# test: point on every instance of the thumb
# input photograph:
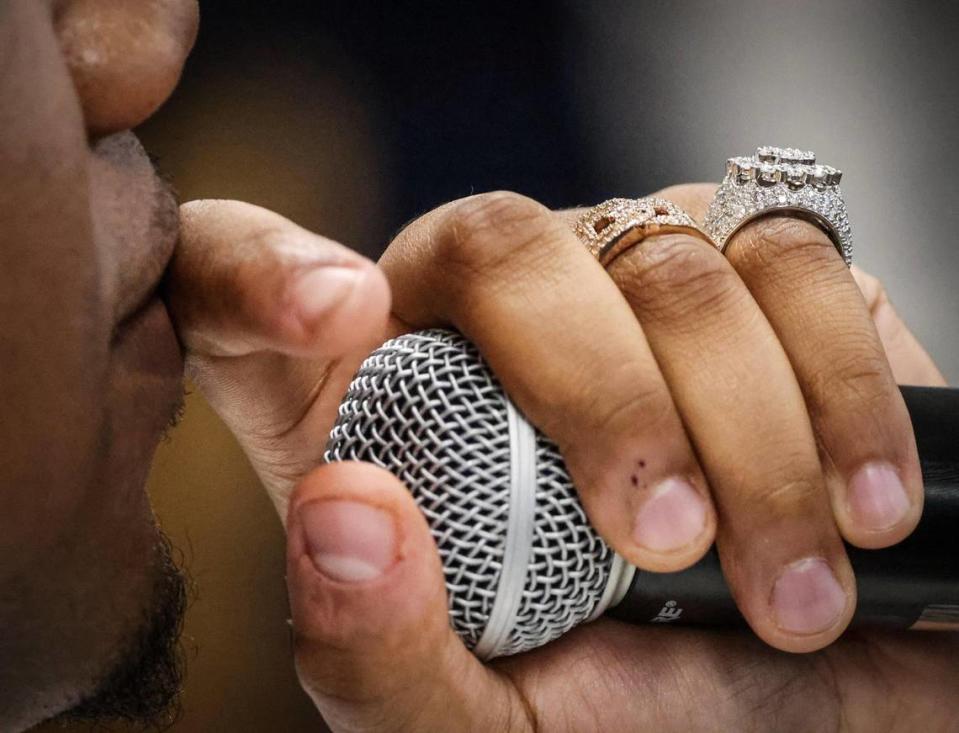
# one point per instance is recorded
(275, 320)
(245, 280)
(374, 648)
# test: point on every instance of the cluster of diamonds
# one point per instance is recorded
(603, 226)
(779, 179)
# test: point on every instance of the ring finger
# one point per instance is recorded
(744, 412)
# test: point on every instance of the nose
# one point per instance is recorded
(125, 57)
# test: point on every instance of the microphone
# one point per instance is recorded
(522, 564)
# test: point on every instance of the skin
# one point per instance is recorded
(275, 319)
(91, 368)
(373, 645)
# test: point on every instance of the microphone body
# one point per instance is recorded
(911, 585)
(523, 566)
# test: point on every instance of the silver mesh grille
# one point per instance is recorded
(570, 563)
(427, 408)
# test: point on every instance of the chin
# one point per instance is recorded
(143, 679)
(99, 617)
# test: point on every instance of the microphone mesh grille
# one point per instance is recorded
(427, 408)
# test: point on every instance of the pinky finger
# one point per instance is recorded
(910, 362)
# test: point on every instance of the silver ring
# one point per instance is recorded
(779, 180)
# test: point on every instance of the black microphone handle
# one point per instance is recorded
(914, 584)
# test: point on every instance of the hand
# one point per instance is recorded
(377, 654)
(506, 273)
(275, 320)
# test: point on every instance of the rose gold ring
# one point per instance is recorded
(612, 227)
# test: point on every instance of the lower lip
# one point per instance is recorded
(147, 345)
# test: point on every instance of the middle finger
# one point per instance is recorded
(744, 412)
(515, 280)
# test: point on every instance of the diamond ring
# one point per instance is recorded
(779, 180)
(610, 228)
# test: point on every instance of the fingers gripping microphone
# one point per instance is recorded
(522, 564)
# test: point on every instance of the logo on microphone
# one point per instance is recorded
(669, 612)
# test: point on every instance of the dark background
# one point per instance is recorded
(445, 99)
(353, 118)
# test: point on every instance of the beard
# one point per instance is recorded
(144, 684)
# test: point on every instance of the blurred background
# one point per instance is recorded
(352, 118)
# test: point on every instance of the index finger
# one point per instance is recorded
(514, 279)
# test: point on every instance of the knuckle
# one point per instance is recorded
(321, 674)
(483, 232)
(880, 298)
(782, 241)
(331, 621)
(677, 275)
(643, 407)
(790, 498)
(857, 376)
(617, 416)
(873, 291)
(693, 197)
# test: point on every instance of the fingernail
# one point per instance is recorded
(319, 291)
(807, 598)
(671, 517)
(877, 499)
(349, 541)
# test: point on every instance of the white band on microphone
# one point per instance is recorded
(519, 536)
(620, 577)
